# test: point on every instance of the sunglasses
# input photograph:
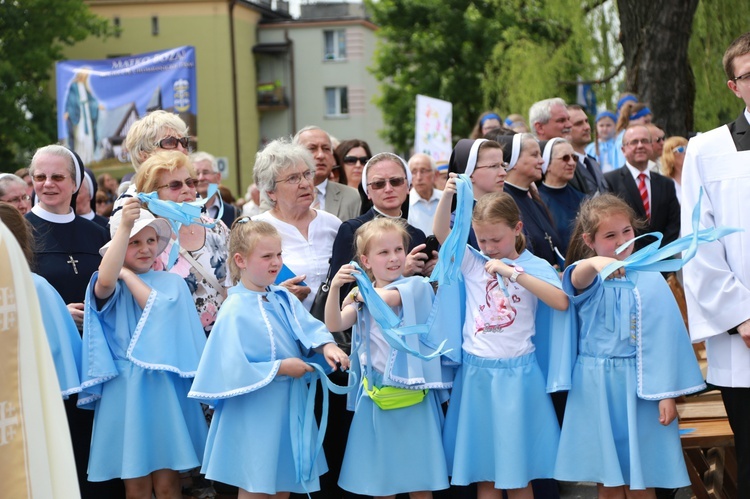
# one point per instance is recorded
(171, 142)
(659, 140)
(394, 181)
(55, 177)
(176, 185)
(567, 157)
(352, 160)
(680, 149)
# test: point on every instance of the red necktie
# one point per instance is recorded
(644, 194)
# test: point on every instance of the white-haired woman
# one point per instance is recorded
(284, 174)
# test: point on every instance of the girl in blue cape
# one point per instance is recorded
(394, 443)
(634, 358)
(254, 375)
(501, 431)
(142, 341)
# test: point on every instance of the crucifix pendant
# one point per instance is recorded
(73, 263)
(549, 240)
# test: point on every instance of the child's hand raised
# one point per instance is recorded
(131, 211)
(450, 185)
(335, 357)
(294, 367)
(600, 262)
(345, 275)
(493, 267)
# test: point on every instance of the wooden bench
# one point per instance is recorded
(708, 446)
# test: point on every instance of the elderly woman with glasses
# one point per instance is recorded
(284, 172)
(672, 158)
(202, 259)
(66, 255)
(13, 192)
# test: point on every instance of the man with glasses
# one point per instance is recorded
(207, 172)
(651, 195)
(423, 197)
(717, 280)
(13, 191)
(337, 199)
(657, 144)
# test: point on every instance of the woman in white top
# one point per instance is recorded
(284, 174)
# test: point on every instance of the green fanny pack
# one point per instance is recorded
(391, 397)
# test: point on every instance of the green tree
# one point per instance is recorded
(32, 36)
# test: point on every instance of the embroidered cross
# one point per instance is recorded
(7, 309)
(8, 422)
(73, 263)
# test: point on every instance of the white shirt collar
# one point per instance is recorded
(321, 187)
(88, 216)
(415, 198)
(53, 217)
(635, 171)
(747, 114)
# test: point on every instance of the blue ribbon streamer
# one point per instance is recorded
(388, 321)
(651, 258)
(179, 214)
(304, 451)
(451, 253)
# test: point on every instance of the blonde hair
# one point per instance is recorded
(667, 153)
(364, 236)
(147, 178)
(142, 135)
(590, 216)
(243, 238)
(499, 207)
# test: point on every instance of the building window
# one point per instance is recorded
(118, 28)
(154, 25)
(337, 101)
(335, 44)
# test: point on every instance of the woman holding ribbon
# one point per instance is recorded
(199, 253)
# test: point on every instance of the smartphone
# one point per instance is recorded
(432, 244)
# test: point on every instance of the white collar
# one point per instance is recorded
(415, 198)
(384, 215)
(88, 216)
(321, 187)
(53, 217)
(635, 171)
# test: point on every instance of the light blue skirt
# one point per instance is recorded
(611, 436)
(501, 426)
(394, 451)
(250, 445)
(144, 422)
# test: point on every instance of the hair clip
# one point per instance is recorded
(243, 220)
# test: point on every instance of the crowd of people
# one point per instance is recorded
(475, 327)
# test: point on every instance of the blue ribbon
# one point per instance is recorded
(304, 451)
(490, 116)
(654, 259)
(451, 253)
(179, 214)
(388, 321)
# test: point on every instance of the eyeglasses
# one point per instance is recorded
(352, 160)
(296, 178)
(176, 185)
(568, 157)
(171, 142)
(496, 166)
(422, 171)
(661, 139)
(635, 142)
(17, 199)
(394, 181)
(743, 78)
(55, 177)
(679, 149)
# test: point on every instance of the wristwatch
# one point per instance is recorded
(517, 271)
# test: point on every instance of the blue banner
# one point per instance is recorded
(98, 100)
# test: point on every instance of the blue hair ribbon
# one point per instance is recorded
(491, 116)
(640, 114)
(606, 114)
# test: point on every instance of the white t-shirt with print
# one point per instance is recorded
(496, 327)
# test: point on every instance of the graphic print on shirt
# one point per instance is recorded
(497, 313)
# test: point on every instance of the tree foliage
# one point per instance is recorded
(32, 36)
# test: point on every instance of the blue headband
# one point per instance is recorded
(509, 122)
(623, 100)
(606, 114)
(640, 114)
(491, 116)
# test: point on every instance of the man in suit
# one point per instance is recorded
(337, 199)
(589, 178)
(717, 280)
(207, 171)
(650, 194)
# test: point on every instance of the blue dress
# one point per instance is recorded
(253, 441)
(501, 425)
(398, 450)
(137, 366)
(633, 350)
(62, 335)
